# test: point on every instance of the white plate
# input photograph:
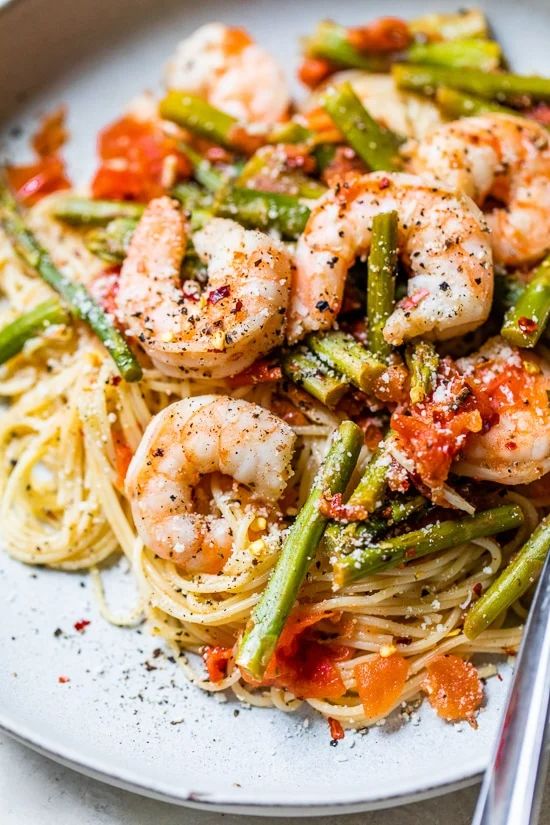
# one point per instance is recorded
(148, 730)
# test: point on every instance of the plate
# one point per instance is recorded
(126, 715)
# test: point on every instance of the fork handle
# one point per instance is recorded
(511, 793)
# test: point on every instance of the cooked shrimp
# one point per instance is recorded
(442, 239)
(241, 315)
(225, 66)
(188, 439)
(515, 450)
(504, 158)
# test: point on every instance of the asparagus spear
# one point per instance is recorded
(457, 104)
(345, 355)
(110, 243)
(197, 115)
(501, 86)
(303, 369)
(451, 26)
(75, 295)
(267, 162)
(14, 335)
(381, 281)
(457, 54)
(265, 210)
(423, 361)
(342, 539)
(330, 41)
(526, 321)
(82, 211)
(512, 583)
(365, 560)
(375, 144)
(204, 172)
(267, 621)
(289, 132)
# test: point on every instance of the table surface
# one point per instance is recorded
(37, 791)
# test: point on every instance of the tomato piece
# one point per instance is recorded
(260, 372)
(303, 665)
(133, 155)
(380, 682)
(433, 432)
(387, 34)
(35, 180)
(123, 456)
(313, 70)
(216, 659)
(454, 688)
(52, 133)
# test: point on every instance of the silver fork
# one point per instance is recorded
(511, 793)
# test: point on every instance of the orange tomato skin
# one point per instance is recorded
(216, 658)
(454, 688)
(36, 180)
(132, 156)
(380, 682)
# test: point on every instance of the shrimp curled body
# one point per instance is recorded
(241, 315)
(223, 65)
(191, 438)
(442, 241)
(505, 158)
(516, 449)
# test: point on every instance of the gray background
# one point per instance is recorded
(37, 791)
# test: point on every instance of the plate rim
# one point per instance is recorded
(219, 801)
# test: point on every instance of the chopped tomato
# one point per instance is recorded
(387, 34)
(288, 411)
(134, 154)
(52, 133)
(336, 729)
(391, 386)
(333, 507)
(260, 372)
(433, 431)
(313, 70)
(216, 659)
(380, 682)
(303, 665)
(236, 40)
(35, 180)
(343, 165)
(454, 688)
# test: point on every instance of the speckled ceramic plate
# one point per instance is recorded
(127, 715)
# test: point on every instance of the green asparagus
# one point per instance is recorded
(512, 583)
(330, 41)
(450, 26)
(75, 295)
(110, 243)
(345, 355)
(306, 371)
(265, 210)
(267, 621)
(365, 560)
(14, 336)
(197, 115)
(82, 211)
(457, 54)
(500, 86)
(376, 145)
(423, 361)
(526, 321)
(455, 104)
(382, 265)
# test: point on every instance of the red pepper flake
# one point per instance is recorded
(336, 730)
(333, 507)
(384, 183)
(191, 291)
(477, 589)
(63, 680)
(527, 325)
(238, 306)
(413, 300)
(217, 154)
(115, 380)
(218, 294)
(81, 625)
(511, 445)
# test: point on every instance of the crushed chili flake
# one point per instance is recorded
(477, 589)
(334, 507)
(384, 183)
(219, 294)
(63, 680)
(336, 730)
(527, 325)
(81, 625)
(413, 300)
